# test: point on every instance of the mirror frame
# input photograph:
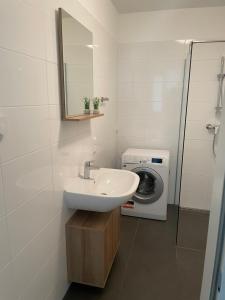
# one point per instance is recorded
(61, 66)
(62, 78)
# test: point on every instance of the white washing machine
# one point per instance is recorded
(150, 199)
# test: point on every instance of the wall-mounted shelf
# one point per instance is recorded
(83, 117)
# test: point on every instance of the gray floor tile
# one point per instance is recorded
(78, 291)
(190, 269)
(193, 229)
(151, 274)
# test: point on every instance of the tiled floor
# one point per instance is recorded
(193, 229)
(149, 265)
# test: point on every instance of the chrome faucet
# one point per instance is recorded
(88, 166)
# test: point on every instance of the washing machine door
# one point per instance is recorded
(150, 187)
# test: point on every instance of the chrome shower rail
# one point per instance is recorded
(220, 77)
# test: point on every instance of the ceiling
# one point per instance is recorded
(129, 6)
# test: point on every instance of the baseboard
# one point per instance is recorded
(195, 210)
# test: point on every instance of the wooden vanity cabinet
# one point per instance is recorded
(92, 240)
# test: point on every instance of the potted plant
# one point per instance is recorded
(86, 101)
(96, 102)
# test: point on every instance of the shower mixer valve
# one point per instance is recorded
(221, 76)
(214, 128)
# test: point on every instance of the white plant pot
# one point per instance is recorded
(96, 111)
(87, 111)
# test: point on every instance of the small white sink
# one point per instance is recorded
(109, 189)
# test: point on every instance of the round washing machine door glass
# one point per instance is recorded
(150, 187)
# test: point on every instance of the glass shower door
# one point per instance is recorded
(200, 121)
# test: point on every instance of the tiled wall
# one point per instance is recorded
(198, 160)
(38, 151)
(150, 80)
(150, 69)
(173, 24)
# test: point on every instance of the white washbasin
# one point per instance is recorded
(109, 189)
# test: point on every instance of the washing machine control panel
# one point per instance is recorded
(152, 160)
(156, 160)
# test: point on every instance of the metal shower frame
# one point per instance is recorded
(185, 95)
(182, 131)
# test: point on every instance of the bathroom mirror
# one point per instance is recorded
(76, 66)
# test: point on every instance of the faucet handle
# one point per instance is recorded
(88, 163)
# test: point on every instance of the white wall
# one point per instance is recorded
(150, 80)
(38, 151)
(193, 23)
(105, 12)
(150, 74)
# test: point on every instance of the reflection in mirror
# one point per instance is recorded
(76, 61)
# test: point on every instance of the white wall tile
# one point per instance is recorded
(38, 150)
(125, 91)
(197, 130)
(26, 176)
(206, 94)
(26, 75)
(146, 50)
(52, 273)
(28, 220)
(58, 279)
(158, 91)
(128, 141)
(196, 193)
(32, 260)
(152, 91)
(203, 111)
(7, 284)
(53, 83)
(71, 144)
(2, 204)
(60, 130)
(105, 12)
(22, 28)
(5, 250)
(167, 25)
(51, 35)
(19, 139)
(205, 51)
(161, 110)
(197, 153)
(38, 286)
(158, 70)
(41, 5)
(205, 70)
(126, 72)
(68, 159)
(150, 78)
(128, 125)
